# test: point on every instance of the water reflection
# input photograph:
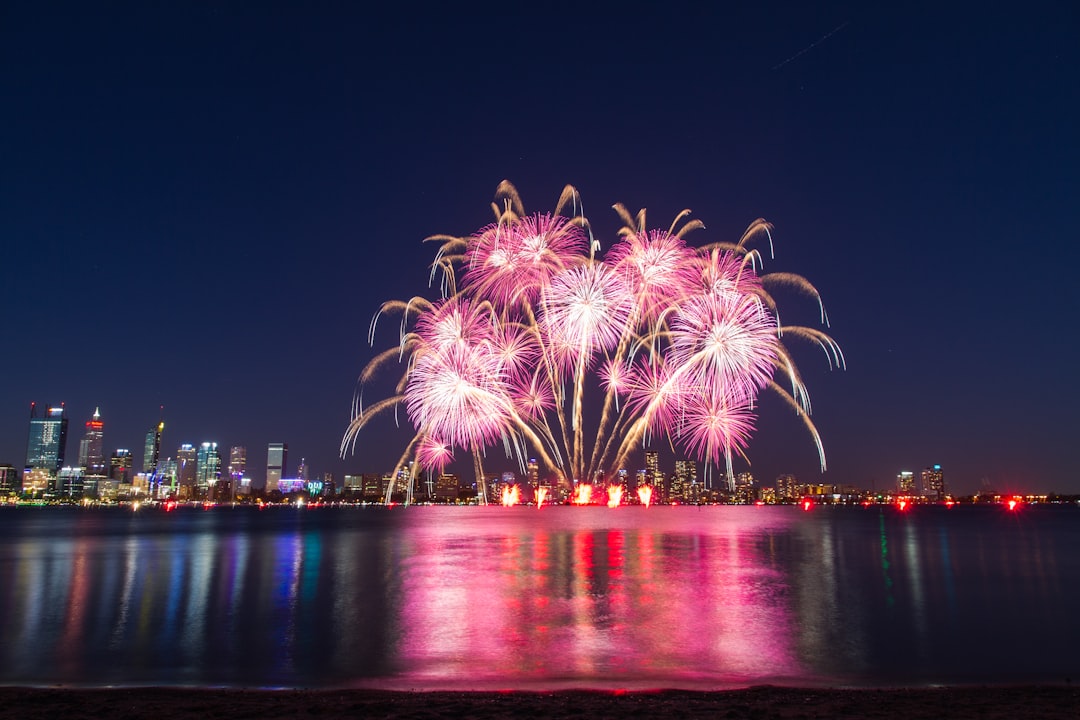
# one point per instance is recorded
(515, 598)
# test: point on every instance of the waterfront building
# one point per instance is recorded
(152, 449)
(207, 468)
(654, 477)
(91, 447)
(447, 488)
(905, 483)
(121, 466)
(10, 480)
(933, 482)
(47, 441)
(69, 482)
(684, 483)
(787, 488)
(745, 492)
(166, 476)
(186, 461)
(237, 462)
(373, 487)
(277, 454)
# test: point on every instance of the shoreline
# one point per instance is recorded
(986, 702)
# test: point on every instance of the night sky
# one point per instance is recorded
(202, 205)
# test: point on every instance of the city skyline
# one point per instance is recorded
(243, 188)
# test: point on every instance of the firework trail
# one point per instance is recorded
(679, 341)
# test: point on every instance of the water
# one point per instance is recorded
(516, 598)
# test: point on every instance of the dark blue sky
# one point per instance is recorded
(203, 204)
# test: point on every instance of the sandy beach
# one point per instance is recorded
(985, 703)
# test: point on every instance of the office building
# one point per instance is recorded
(933, 482)
(121, 466)
(48, 439)
(207, 468)
(91, 447)
(905, 483)
(277, 455)
(186, 461)
(152, 449)
(237, 463)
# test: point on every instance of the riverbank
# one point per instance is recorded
(960, 703)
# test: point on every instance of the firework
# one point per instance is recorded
(669, 341)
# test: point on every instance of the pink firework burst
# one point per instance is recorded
(509, 260)
(657, 268)
(724, 343)
(585, 311)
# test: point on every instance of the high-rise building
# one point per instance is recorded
(302, 470)
(186, 462)
(10, 480)
(786, 488)
(121, 465)
(933, 482)
(653, 476)
(237, 463)
(684, 482)
(207, 467)
(745, 492)
(152, 448)
(91, 447)
(277, 455)
(905, 482)
(48, 439)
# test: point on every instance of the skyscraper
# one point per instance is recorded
(152, 449)
(276, 456)
(653, 476)
(91, 447)
(905, 482)
(48, 439)
(933, 482)
(207, 467)
(237, 463)
(185, 467)
(120, 466)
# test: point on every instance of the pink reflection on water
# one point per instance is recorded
(570, 598)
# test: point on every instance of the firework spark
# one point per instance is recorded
(679, 343)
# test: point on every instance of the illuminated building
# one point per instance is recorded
(786, 488)
(166, 477)
(48, 438)
(69, 483)
(745, 492)
(933, 482)
(237, 462)
(152, 449)
(10, 480)
(684, 485)
(277, 454)
(121, 466)
(905, 483)
(302, 470)
(447, 488)
(91, 447)
(185, 471)
(207, 468)
(653, 476)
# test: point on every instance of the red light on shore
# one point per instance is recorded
(807, 504)
(1013, 503)
(949, 503)
(902, 504)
